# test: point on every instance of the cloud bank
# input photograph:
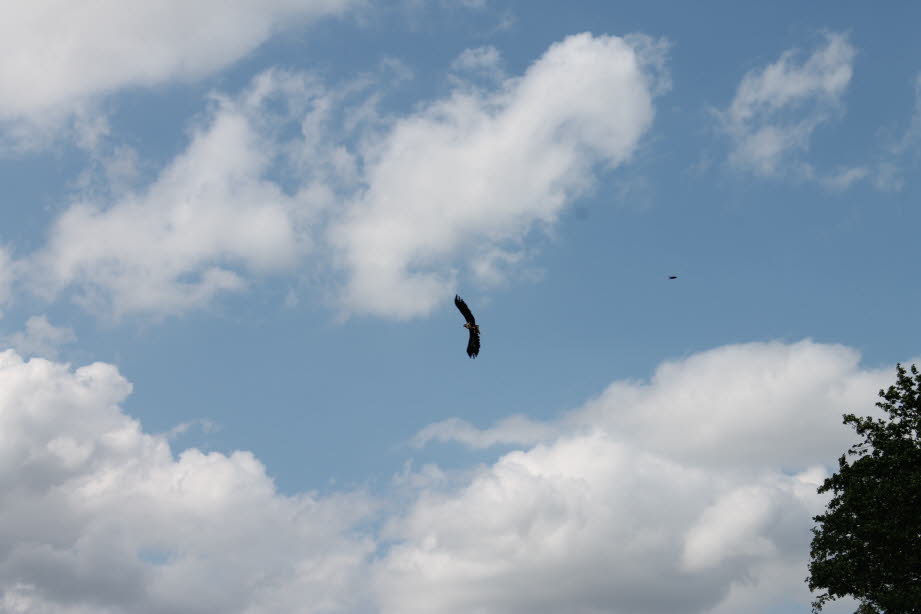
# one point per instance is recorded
(692, 492)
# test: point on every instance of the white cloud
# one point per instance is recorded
(97, 516)
(399, 206)
(517, 430)
(206, 426)
(777, 108)
(746, 405)
(480, 58)
(41, 338)
(210, 218)
(610, 512)
(589, 524)
(82, 123)
(57, 53)
(692, 492)
(734, 404)
(479, 170)
(479, 61)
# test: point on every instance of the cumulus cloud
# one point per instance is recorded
(211, 217)
(97, 516)
(398, 206)
(57, 53)
(609, 511)
(590, 524)
(691, 492)
(777, 108)
(480, 169)
(747, 405)
(41, 337)
(734, 404)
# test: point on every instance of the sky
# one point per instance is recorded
(231, 375)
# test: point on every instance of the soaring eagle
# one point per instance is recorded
(473, 344)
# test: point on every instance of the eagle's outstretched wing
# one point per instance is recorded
(465, 311)
(473, 344)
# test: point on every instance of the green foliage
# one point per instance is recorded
(868, 543)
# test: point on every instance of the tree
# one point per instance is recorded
(867, 544)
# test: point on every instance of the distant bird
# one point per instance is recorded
(673, 277)
(473, 344)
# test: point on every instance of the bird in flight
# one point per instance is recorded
(673, 277)
(473, 344)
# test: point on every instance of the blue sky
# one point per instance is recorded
(229, 243)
